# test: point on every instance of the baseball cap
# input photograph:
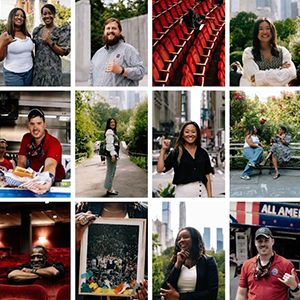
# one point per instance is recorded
(264, 231)
(35, 112)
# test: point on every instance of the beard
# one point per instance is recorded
(109, 42)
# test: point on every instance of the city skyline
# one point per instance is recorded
(198, 215)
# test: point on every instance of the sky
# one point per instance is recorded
(7, 5)
(199, 214)
(263, 94)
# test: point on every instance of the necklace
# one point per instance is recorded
(114, 211)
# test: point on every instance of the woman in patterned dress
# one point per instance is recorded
(51, 42)
(266, 63)
(279, 151)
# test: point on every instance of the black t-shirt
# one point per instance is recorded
(190, 169)
(59, 266)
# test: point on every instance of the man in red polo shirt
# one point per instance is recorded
(39, 150)
(5, 164)
(267, 275)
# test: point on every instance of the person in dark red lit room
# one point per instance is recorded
(40, 149)
(38, 267)
(267, 275)
(5, 164)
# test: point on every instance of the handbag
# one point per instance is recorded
(104, 152)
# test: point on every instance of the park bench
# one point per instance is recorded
(236, 151)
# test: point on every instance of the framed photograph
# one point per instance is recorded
(112, 257)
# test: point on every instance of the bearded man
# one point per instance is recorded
(117, 63)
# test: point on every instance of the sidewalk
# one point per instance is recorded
(130, 180)
(287, 185)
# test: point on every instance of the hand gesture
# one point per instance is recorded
(170, 294)
(46, 37)
(82, 221)
(252, 78)
(289, 279)
(113, 158)
(142, 292)
(6, 39)
(113, 67)
(165, 144)
(181, 257)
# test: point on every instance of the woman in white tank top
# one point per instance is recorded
(16, 50)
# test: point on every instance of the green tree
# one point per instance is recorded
(63, 15)
(241, 28)
(138, 128)
(85, 128)
(285, 28)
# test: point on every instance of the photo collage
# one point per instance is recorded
(108, 106)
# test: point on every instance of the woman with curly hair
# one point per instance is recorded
(191, 163)
(266, 63)
(191, 274)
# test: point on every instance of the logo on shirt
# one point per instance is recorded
(118, 56)
(274, 271)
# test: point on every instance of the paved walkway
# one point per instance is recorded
(130, 180)
(286, 186)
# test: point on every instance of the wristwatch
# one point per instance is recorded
(123, 70)
(52, 45)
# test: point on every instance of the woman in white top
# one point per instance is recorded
(252, 151)
(112, 143)
(266, 63)
(16, 49)
(191, 274)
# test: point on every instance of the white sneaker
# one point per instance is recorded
(245, 177)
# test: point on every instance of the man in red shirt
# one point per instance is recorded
(268, 275)
(5, 164)
(40, 150)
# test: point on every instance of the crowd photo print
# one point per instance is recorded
(111, 250)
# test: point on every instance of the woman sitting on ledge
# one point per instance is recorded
(279, 151)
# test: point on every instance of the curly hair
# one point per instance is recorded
(197, 250)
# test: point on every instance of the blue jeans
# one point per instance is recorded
(110, 172)
(253, 155)
(17, 79)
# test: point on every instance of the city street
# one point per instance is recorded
(287, 185)
(130, 180)
(218, 182)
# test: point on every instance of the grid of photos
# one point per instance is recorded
(92, 139)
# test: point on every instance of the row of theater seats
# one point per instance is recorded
(174, 42)
(31, 292)
(57, 290)
(221, 65)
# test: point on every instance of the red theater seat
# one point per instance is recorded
(22, 292)
(52, 287)
(64, 293)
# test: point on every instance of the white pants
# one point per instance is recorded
(192, 190)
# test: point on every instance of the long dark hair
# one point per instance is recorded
(180, 140)
(108, 125)
(256, 42)
(50, 7)
(197, 250)
(10, 26)
(250, 130)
